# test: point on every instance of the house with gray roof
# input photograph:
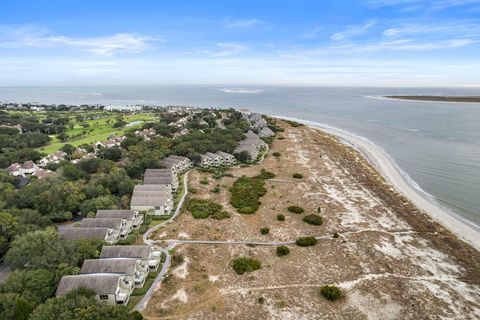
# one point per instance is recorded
(147, 254)
(112, 289)
(118, 224)
(133, 218)
(227, 158)
(216, 159)
(266, 132)
(152, 198)
(105, 234)
(177, 164)
(133, 269)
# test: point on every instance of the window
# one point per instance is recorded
(104, 297)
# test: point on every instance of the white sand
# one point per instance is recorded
(389, 170)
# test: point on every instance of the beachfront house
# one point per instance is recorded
(266, 132)
(108, 235)
(217, 160)
(147, 254)
(251, 144)
(134, 218)
(177, 164)
(119, 225)
(133, 269)
(227, 158)
(111, 289)
(205, 161)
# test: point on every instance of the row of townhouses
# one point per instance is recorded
(216, 159)
(258, 124)
(116, 274)
(155, 195)
(252, 144)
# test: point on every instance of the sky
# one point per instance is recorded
(267, 42)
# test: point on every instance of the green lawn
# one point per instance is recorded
(100, 128)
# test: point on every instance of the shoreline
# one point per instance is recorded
(395, 98)
(386, 167)
(457, 99)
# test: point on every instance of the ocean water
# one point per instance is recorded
(436, 144)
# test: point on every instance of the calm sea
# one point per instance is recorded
(436, 144)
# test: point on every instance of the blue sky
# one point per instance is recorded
(350, 43)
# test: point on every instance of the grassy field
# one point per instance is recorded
(99, 130)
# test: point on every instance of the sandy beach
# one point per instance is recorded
(390, 171)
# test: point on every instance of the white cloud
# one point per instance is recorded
(352, 31)
(241, 23)
(108, 45)
(226, 49)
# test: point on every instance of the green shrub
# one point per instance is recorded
(202, 209)
(306, 241)
(336, 235)
(281, 138)
(313, 219)
(264, 174)
(192, 190)
(282, 251)
(261, 300)
(297, 175)
(294, 123)
(243, 264)
(265, 230)
(280, 217)
(331, 293)
(220, 215)
(130, 239)
(204, 181)
(276, 154)
(295, 209)
(245, 194)
(216, 190)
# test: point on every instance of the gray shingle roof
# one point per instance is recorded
(124, 266)
(157, 172)
(100, 283)
(138, 251)
(84, 233)
(113, 223)
(123, 214)
(158, 180)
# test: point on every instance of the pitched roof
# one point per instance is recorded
(148, 180)
(100, 283)
(28, 165)
(223, 154)
(138, 251)
(123, 214)
(124, 266)
(113, 223)
(84, 233)
(157, 172)
(212, 155)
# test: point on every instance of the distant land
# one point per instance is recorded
(474, 99)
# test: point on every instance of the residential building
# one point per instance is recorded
(118, 224)
(177, 164)
(133, 218)
(29, 167)
(168, 177)
(147, 254)
(227, 158)
(133, 269)
(42, 174)
(112, 289)
(105, 234)
(217, 160)
(205, 161)
(266, 132)
(15, 169)
(151, 198)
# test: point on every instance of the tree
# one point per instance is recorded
(37, 249)
(33, 285)
(243, 156)
(72, 172)
(68, 148)
(113, 153)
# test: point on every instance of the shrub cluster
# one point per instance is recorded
(306, 241)
(331, 293)
(313, 219)
(243, 264)
(276, 154)
(264, 174)
(202, 209)
(280, 217)
(295, 209)
(245, 194)
(204, 181)
(297, 175)
(265, 230)
(282, 251)
(336, 235)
